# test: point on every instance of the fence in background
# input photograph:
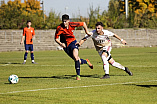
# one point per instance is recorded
(44, 39)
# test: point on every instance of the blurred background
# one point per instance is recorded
(133, 20)
(46, 14)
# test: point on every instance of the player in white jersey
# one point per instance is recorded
(102, 44)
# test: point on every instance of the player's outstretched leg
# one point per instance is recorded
(89, 64)
(82, 61)
(128, 71)
(118, 65)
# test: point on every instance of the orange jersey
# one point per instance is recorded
(28, 33)
(67, 33)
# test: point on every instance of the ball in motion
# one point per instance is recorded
(13, 79)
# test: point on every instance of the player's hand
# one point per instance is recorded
(78, 44)
(21, 42)
(124, 42)
(63, 45)
(89, 33)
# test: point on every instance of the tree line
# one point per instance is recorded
(14, 14)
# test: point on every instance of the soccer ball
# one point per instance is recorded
(13, 79)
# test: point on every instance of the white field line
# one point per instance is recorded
(73, 65)
(76, 87)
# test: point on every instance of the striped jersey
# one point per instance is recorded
(101, 41)
(66, 35)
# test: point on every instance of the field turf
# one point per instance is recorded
(53, 80)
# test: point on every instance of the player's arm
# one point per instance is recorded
(33, 34)
(88, 34)
(57, 34)
(22, 39)
(86, 29)
(123, 41)
(60, 43)
(83, 39)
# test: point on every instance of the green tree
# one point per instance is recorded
(92, 17)
(95, 16)
(14, 14)
(53, 20)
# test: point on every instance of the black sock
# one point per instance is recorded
(25, 56)
(32, 56)
(83, 61)
(77, 67)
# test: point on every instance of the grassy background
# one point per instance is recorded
(52, 80)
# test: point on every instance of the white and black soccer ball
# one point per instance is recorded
(13, 79)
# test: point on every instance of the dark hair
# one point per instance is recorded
(65, 17)
(99, 23)
(28, 21)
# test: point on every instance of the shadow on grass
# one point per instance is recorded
(9, 63)
(7, 83)
(118, 75)
(70, 76)
(66, 76)
(146, 86)
(151, 52)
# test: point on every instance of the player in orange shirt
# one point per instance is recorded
(28, 34)
(68, 41)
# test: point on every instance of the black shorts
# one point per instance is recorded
(70, 48)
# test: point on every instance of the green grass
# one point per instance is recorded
(52, 80)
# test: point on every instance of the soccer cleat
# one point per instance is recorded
(89, 64)
(105, 76)
(128, 71)
(34, 63)
(24, 63)
(78, 77)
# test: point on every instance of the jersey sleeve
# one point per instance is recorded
(76, 24)
(59, 31)
(109, 33)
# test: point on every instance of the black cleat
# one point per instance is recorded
(34, 63)
(105, 76)
(128, 71)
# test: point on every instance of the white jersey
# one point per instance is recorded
(101, 41)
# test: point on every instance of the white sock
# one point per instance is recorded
(105, 64)
(117, 65)
(24, 60)
(32, 60)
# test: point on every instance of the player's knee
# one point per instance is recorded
(111, 61)
(104, 54)
(31, 51)
(76, 58)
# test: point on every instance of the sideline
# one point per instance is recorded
(75, 87)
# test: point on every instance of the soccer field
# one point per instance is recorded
(53, 80)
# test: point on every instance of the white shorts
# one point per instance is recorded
(106, 48)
